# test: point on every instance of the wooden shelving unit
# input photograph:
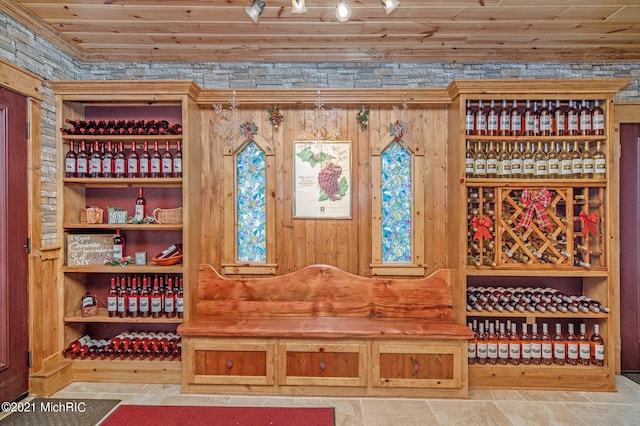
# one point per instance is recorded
(598, 281)
(173, 101)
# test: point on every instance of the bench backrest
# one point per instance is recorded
(323, 290)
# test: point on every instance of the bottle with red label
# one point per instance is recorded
(167, 162)
(71, 162)
(112, 300)
(177, 162)
(140, 211)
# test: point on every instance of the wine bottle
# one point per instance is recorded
(169, 300)
(584, 123)
(573, 350)
(572, 120)
(75, 346)
(584, 346)
(492, 346)
(576, 161)
(167, 162)
(546, 345)
(112, 300)
(144, 299)
(528, 162)
(541, 162)
(145, 161)
(180, 300)
(516, 120)
(536, 345)
(515, 350)
(471, 347)
(118, 245)
(95, 162)
(123, 301)
(120, 161)
(566, 164)
(156, 161)
(504, 120)
(82, 168)
(588, 166)
(529, 120)
(108, 162)
(468, 161)
(481, 345)
(71, 162)
(516, 160)
(133, 163)
(480, 162)
(469, 119)
(140, 212)
(156, 300)
(597, 119)
(481, 120)
(545, 120)
(493, 121)
(597, 347)
(492, 161)
(559, 120)
(525, 345)
(559, 346)
(553, 162)
(599, 162)
(177, 161)
(503, 346)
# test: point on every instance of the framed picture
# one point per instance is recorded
(322, 180)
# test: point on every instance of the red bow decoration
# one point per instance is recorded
(535, 204)
(481, 225)
(588, 223)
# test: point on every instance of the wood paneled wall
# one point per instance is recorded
(345, 243)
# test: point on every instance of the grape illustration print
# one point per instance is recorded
(322, 180)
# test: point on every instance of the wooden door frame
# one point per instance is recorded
(622, 113)
(30, 85)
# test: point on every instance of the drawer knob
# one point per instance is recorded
(229, 364)
(323, 365)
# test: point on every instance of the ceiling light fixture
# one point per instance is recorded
(389, 5)
(343, 11)
(255, 10)
(298, 6)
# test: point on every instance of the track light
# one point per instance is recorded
(343, 11)
(298, 6)
(389, 5)
(255, 10)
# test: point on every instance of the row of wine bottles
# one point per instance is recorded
(502, 344)
(144, 296)
(127, 345)
(111, 160)
(534, 119)
(121, 127)
(529, 299)
(531, 160)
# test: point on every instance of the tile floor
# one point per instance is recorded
(483, 408)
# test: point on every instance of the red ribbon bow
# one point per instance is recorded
(481, 225)
(535, 204)
(588, 223)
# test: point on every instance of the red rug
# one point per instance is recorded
(154, 415)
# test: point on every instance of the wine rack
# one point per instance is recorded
(104, 116)
(546, 225)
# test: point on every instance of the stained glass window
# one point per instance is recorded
(396, 204)
(251, 218)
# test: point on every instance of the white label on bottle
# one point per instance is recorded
(547, 350)
(481, 122)
(468, 166)
(132, 165)
(505, 123)
(516, 167)
(572, 122)
(514, 350)
(572, 350)
(598, 122)
(138, 212)
(82, 165)
(492, 350)
(156, 304)
(94, 165)
(471, 350)
(480, 167)
(554, 166)
(168, 304)
(155, 165)
(70, 165)
(516, 122)
(469, 123)
(106, 166)
(144, 165)
(492, 122)
(144, 304)
(167, 164)
(545, 123)
(576, 166)
(87, 301)
(541, 168)
(599, 352)
(120, 165)
(84, 340)
(504, 167)
(529, 166)
(177, 165)
(481, 350)
(585, 122)
(121, 307)
(536, 350)
(600, 165)
(585, 350)
(566, 167)
(526, 350)
(492, 166)
(559, 350)
(530, 123)
(112, 303)
(180, 305)
(118, 251)
(587, 165)
(503, 350)
(133, 304)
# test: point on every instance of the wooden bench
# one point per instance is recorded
(323, 331)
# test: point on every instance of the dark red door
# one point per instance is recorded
(14, 269)
(630, 246)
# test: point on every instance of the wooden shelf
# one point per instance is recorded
(124, 182)
(129, 269)
(124, 226)
(104, 317)
(127, 371)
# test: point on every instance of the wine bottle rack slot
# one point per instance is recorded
(127, 345)
(541, 226)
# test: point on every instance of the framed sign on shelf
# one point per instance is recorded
(322, 180)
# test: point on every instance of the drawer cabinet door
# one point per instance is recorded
(322, 364)
(437, 365)
(213, 361)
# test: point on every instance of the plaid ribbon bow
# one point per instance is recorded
(535, 204)
(481, 225)
(588, 223)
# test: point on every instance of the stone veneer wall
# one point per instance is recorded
(29, 51)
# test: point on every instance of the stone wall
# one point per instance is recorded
(29, 51)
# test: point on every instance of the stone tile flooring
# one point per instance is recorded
(485, 407)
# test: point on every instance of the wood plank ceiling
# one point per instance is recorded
(417, 31)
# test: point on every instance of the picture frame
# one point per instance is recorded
(322, 180)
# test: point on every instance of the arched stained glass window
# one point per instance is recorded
(251, 207)
(397, 202)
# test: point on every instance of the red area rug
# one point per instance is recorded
(154, 415)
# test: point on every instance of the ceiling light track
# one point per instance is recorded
(343, 9)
